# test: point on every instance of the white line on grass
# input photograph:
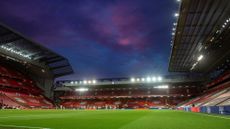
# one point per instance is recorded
(16, 126)
(213, 116)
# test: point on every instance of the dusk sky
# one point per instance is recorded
(100, 38)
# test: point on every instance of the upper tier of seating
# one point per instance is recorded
(14, 79)
(131, 92)
(223, 77)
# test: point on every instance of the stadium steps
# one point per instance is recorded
(225, 103)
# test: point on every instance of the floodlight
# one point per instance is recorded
(148, 79)
(132, 79)
(82, 89)
(176, 14)
(159, 78)
(138, 79)
(94, 81)
(89, 81)
(154, 79)
(162, 87)
(84, 82)
(200, 57)
(142, 79)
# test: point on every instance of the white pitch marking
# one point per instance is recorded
(214, 116)
(31, 127)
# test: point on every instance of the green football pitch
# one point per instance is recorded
(110, 119)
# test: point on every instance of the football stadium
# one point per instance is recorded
(113, 64)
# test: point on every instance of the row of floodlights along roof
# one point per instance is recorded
(15, 52)
(84, 82)
(227, 21)
(175, 24)
(147, 79)
(86, 89)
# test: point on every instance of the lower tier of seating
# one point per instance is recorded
(6, 102)
(218, 96)
(23, 100)
(122, 103)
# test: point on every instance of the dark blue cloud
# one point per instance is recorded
(101, 38)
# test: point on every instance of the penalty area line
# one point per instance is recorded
(18, 126)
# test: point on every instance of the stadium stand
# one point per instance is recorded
(200, 44)
(121, 103)
(20, 90)
(129, 96)
(27, 71)
(200, 56)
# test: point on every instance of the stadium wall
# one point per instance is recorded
(223, 110)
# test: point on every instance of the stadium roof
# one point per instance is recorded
(201, 36)
(21, 47)
(133, 81)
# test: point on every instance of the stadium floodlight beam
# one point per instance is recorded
(82, 89)
(132, 79)
(200, 58)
